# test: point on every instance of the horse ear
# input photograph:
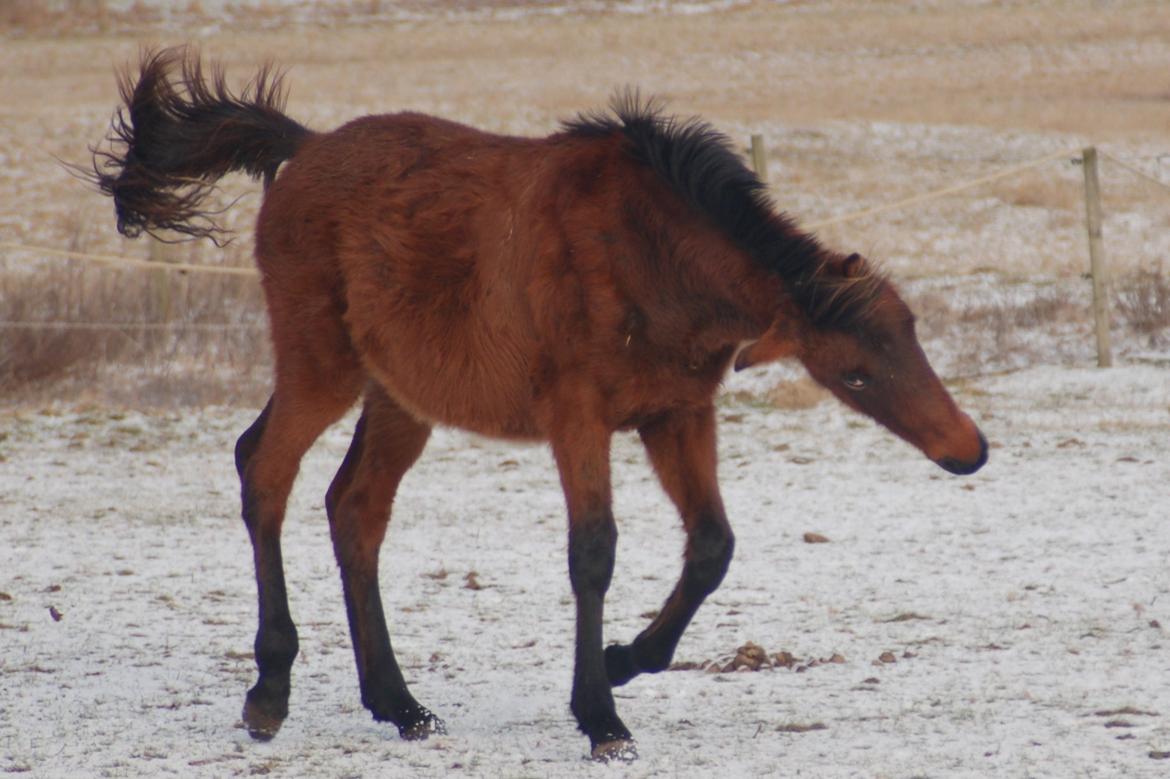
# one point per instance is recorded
(778, 341)
(854, 266)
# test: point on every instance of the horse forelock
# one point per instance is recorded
(701, 165)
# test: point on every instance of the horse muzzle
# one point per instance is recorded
(961, 468)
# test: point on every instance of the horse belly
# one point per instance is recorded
(470, 377)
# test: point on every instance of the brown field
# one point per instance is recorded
(861, 103)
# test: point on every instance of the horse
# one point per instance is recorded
(604, 278)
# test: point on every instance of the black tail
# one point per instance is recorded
(183, 134)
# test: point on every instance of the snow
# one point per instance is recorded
(1022, 605)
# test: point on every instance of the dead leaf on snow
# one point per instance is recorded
(750, 656)
(785, 659)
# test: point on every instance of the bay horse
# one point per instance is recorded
(553, 289)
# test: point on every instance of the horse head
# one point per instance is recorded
(858, 341)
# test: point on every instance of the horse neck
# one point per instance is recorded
(742, 296)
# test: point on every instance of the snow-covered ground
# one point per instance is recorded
(1025, 608)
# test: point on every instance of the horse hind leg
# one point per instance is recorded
(386, 443)
(306, 401)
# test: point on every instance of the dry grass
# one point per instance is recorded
(1034, 190)
(1142, 302)
(43, 16)
(70, 329)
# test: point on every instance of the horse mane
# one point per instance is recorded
(700, 164)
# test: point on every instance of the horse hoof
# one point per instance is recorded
(622, 750)
(261, 725)
(428, 725)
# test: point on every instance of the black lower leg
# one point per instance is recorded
(358, 504)
(709, 551)
(276, 637)
(591, 560)
(266, 705)
(383, 688)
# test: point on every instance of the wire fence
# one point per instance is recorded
(131, 263)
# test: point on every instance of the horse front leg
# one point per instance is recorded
(386, 443)
(581, 448)
(681, 446)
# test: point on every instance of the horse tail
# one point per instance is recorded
(178, 134)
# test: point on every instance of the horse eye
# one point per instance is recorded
(855, 381)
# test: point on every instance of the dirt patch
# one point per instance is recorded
(753, 657)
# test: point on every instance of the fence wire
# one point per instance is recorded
(183, 267)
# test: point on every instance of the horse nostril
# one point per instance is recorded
(960, 468)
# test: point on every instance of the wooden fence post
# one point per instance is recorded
(759, 157)
(1097, 257)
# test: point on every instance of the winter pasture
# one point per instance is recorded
(881, 617)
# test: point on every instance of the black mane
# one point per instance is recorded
(701, 165)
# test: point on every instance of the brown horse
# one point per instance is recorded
(603, 278)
